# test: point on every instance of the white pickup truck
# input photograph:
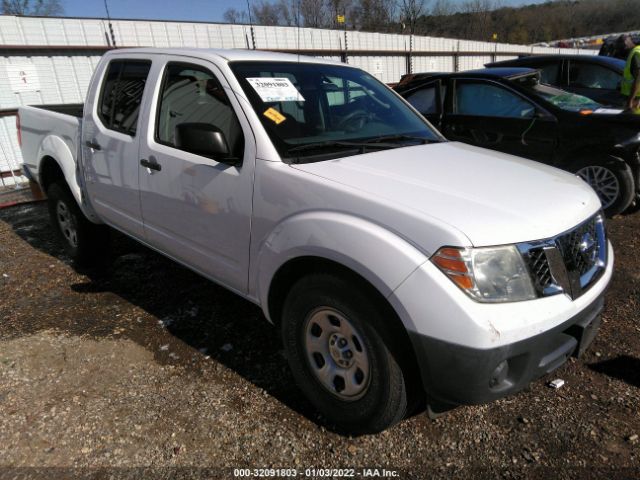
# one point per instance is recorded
(402, 270)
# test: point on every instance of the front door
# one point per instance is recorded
(196, 206)
(110, 143)
(487, 114)
(428, 99)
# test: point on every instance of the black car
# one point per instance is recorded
(511, 111)
(593, 76)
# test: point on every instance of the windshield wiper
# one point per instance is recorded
(396, 138)
(323, 145)
(360, 146)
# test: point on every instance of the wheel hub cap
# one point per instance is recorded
(603, 181)
(67, 223)
(336, 354)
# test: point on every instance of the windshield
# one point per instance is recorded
(564, 100)
(327, 111)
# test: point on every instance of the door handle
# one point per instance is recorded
(92, 144)
(151, 164)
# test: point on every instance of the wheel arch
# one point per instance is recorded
(395, 333)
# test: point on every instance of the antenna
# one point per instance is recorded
(113, 37)
(253, 38)
(298, 32)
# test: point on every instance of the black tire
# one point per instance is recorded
(604, 174)
(384, 400)
(85, 242)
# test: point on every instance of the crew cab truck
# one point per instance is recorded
(402, 270)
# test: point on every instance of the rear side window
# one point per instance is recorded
(585, 75)
(121, 95)
(491, 101)
(549, 73)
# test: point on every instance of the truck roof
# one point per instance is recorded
(229, 55)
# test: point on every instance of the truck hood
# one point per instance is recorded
(490, 197)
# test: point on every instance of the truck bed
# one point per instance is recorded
(74, 109)
(51, 130)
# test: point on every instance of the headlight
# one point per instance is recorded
(493, 274)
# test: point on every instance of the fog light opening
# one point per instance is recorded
(499, 375)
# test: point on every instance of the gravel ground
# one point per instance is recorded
(146, 364)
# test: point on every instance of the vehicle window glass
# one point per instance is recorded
(121, 95)
(193, 95)
(549, 73)
(424, 100)
(586, 75)
(562, 99)
(491, 101)
(307, 104)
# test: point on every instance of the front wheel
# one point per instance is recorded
(85, 242)
(334, 340)
(612, 181)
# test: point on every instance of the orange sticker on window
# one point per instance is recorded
(274, 115)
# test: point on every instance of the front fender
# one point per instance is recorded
(378, 255)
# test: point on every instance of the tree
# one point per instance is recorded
(231, 15)
(373, 15)
(314, 13)
(410, 12)
(266, 13)
(45, 8)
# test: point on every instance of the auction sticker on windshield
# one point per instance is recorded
(275, 89)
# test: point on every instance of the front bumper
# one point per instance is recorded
(455, 374)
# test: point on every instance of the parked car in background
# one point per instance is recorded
(400, 269)
(509, 110)
(592, 76)
(613, 47)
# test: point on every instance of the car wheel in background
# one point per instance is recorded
(612, 180)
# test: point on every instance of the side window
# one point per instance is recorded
(340, 92)
(585, 75)
(491, 101)
(549, 73)
(192, 95)
(121, 94)
(424, 100)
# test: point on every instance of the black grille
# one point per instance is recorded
(579, 256)
(579, 250)
(539, 267)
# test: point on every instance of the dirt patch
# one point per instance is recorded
(147, 364)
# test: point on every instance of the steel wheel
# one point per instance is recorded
(603, 181)
(67, 223)
(336, 354)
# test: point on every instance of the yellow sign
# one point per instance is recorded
(274, 115)
(495, 36)
(340, 18)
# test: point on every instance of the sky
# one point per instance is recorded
(201, 10)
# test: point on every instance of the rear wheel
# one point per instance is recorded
(85, 242)
(334, 337)
(612, 181)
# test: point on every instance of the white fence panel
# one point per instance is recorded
(10, 154)
(432, 64)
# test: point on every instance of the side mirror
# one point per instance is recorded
(206, 140)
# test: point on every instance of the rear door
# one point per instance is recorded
(197, 207)
(490, 115)
(110, 142)
(594, 81)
